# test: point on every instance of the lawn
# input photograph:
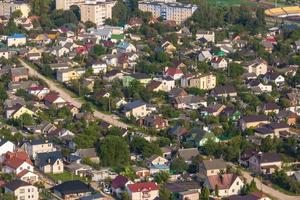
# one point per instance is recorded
(230, 2)
(66, 176)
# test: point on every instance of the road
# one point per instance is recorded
(268, 190)
(111, 119)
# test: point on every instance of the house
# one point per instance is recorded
(157, 163)
(257, 66)
(205, 56)
(72, 189)
(232, 114)
(177, 92)
(34, 54)
(59, 51)
(200, 81)
(198, 137)
(55, 100)
(161, 84)
(27, 176)
(174, 73)
(273, 77)
(143, 190)
(294, 101)
(119, 183)
(136, 109)
(6, 146)
(141, 172)
(78, 169)
(224, 91)
(39, 91)
(66, 75)
(125, 47)
(209, 36)
(253, 121)
(212, 167)
(16, 40)
(168, 47)
(99, 67)
(153, 121)
(89, 153)
(287, 116)
(189, 102)
(177, 131)
(258, 87)
(270, 107)
(113, 75)
(5, 53)
(15, 112)
(265, 163)
(227, 184)
(33, 147)
(16, 162)
(212, 110)
(268, 46)
(251, 196)
(22, 190)
(50, 162)
(140, 77)
(246, 155)
(188, 154)
(184, 188)
(19, 74)
(219, 63)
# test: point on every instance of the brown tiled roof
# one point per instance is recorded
(223, 181)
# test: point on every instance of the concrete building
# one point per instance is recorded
(7, 7)
(203, 82)
(172, 11)
(96, 12)
(66, 4)
(22, 190)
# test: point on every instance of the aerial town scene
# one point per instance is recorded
(149, 100)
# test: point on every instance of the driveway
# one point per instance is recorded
(111, 119)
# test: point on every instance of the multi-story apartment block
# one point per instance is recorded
(96, 12)
(7, 7)
(168, 10)
(201, 81)
(66, 4)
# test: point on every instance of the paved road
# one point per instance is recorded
(269, 190)
(112, 119)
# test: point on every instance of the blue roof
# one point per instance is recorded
(123, 45)
(17, 35)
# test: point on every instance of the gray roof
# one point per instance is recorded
(87, 153)
(19, 71)
(15, 184)
(268, 157)
(214, 164)
(134, 104)
(48, 158)
(188, 154)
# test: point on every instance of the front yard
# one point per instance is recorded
(66, 176)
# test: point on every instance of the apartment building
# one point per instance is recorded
(66, 4)
(22, 190)
(7, 7)
(201, 81)
(96, 12)
(168, 10)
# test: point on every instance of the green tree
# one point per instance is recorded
(179, 165)
(8, 196)
(16, 14)
(205, 194)
(89, 24)
(86, 107)
(99, 50)
(125, 196)
(217, 190)
(113, 151)
(165, 194)
(235, 70)
(26, 119)
(162, 177)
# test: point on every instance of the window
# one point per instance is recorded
(232, 190)
(237, 183)
(22, 191)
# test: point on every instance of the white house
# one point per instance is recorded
(274, 78)
(38, 146)
(22, 190)
(143, 191)
(219, 63)
(228, 184)
(39, 91)
(16, 40)
(99, 67)
(125, 47)
(204, 56)
(6, 146)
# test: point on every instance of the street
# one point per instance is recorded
(111, 119)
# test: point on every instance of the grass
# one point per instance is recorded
(277, 187)
(66, 176)
(230, 2)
